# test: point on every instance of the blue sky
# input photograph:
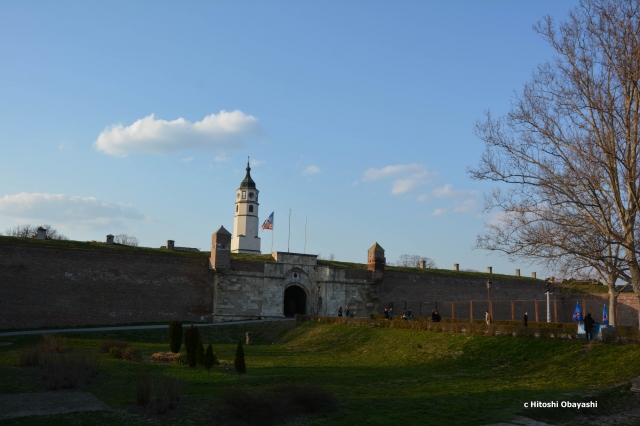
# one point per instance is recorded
(138, 117)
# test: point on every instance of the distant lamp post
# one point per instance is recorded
(317, 301)
(489, 297)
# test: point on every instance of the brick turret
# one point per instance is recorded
(376, 261)
(221, 249)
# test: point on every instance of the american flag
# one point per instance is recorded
(268, 224)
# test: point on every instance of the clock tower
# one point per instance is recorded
(245, 222)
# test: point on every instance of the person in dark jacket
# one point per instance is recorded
(340, 312)
(588, 326)
(410, 315)
(347, 312)
(434, 316)
(386, 313)
(525, 320)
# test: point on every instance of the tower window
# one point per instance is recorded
(244, 195)
(250, 209)
(236, 209)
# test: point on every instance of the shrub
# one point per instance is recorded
(182, 359)
(115, 352)
(166, 392)
(253, 408)
(209, 359)
(28, 357)
(143, 389)
(268, 407)
(106, 345)
(165, 357)
(191, 340)
(129, 354)
(51, 343)
(65, 370)
(308, 398)
(200, 353)
(238, 363)
(175, 336)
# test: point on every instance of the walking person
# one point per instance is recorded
(386, 313)
(525, 320)
(390, 313)
(404, 314)
(340, 312)
(347, 313)
(588, 326)
(410, 314)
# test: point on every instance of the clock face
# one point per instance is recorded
(251, 195)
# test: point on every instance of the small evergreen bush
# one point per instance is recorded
(175, 336)
(209, 359)
(238, 363)
(200, 353)
(191, 340)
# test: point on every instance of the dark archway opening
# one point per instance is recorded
(295, 301)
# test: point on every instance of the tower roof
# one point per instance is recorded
(222, 231)
(248, 182)
(376, 247)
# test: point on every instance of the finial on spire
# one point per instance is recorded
(248, 167)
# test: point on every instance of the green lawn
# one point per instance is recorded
(381, 376)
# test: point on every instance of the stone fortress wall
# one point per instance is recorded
(53, 285)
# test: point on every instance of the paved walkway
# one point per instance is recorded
(130, 327)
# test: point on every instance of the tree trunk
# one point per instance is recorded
(613, 303)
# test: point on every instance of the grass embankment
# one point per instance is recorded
(380, 376)
(440, 272)
(121, 248)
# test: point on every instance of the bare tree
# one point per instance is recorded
(569, 149)
(30, 231)
(126, 240)
(413, 261)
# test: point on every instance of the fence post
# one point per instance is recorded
(537, 310)
(555, 310)
(470, 310)
(513, 311)
(453, 310)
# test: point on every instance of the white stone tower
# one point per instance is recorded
(245, 222)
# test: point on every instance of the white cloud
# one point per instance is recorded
(226, 130)
(221, 158)
(448, 192)
(63, 147)
(257, 162)
(311, 170)
(70, 212)
(407, 176)
(186, 160)
(423, 198)
(439, 212)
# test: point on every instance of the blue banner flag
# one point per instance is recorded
(577, 314)
(605, 316)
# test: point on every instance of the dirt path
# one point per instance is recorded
(47, 403)
(130, 327)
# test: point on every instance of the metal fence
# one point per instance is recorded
(537, 310)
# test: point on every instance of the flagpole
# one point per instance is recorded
(272, 237)
(289, 237)
(305, 234)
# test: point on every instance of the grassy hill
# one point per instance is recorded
(380, 376)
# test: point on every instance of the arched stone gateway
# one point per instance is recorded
(295, 301)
